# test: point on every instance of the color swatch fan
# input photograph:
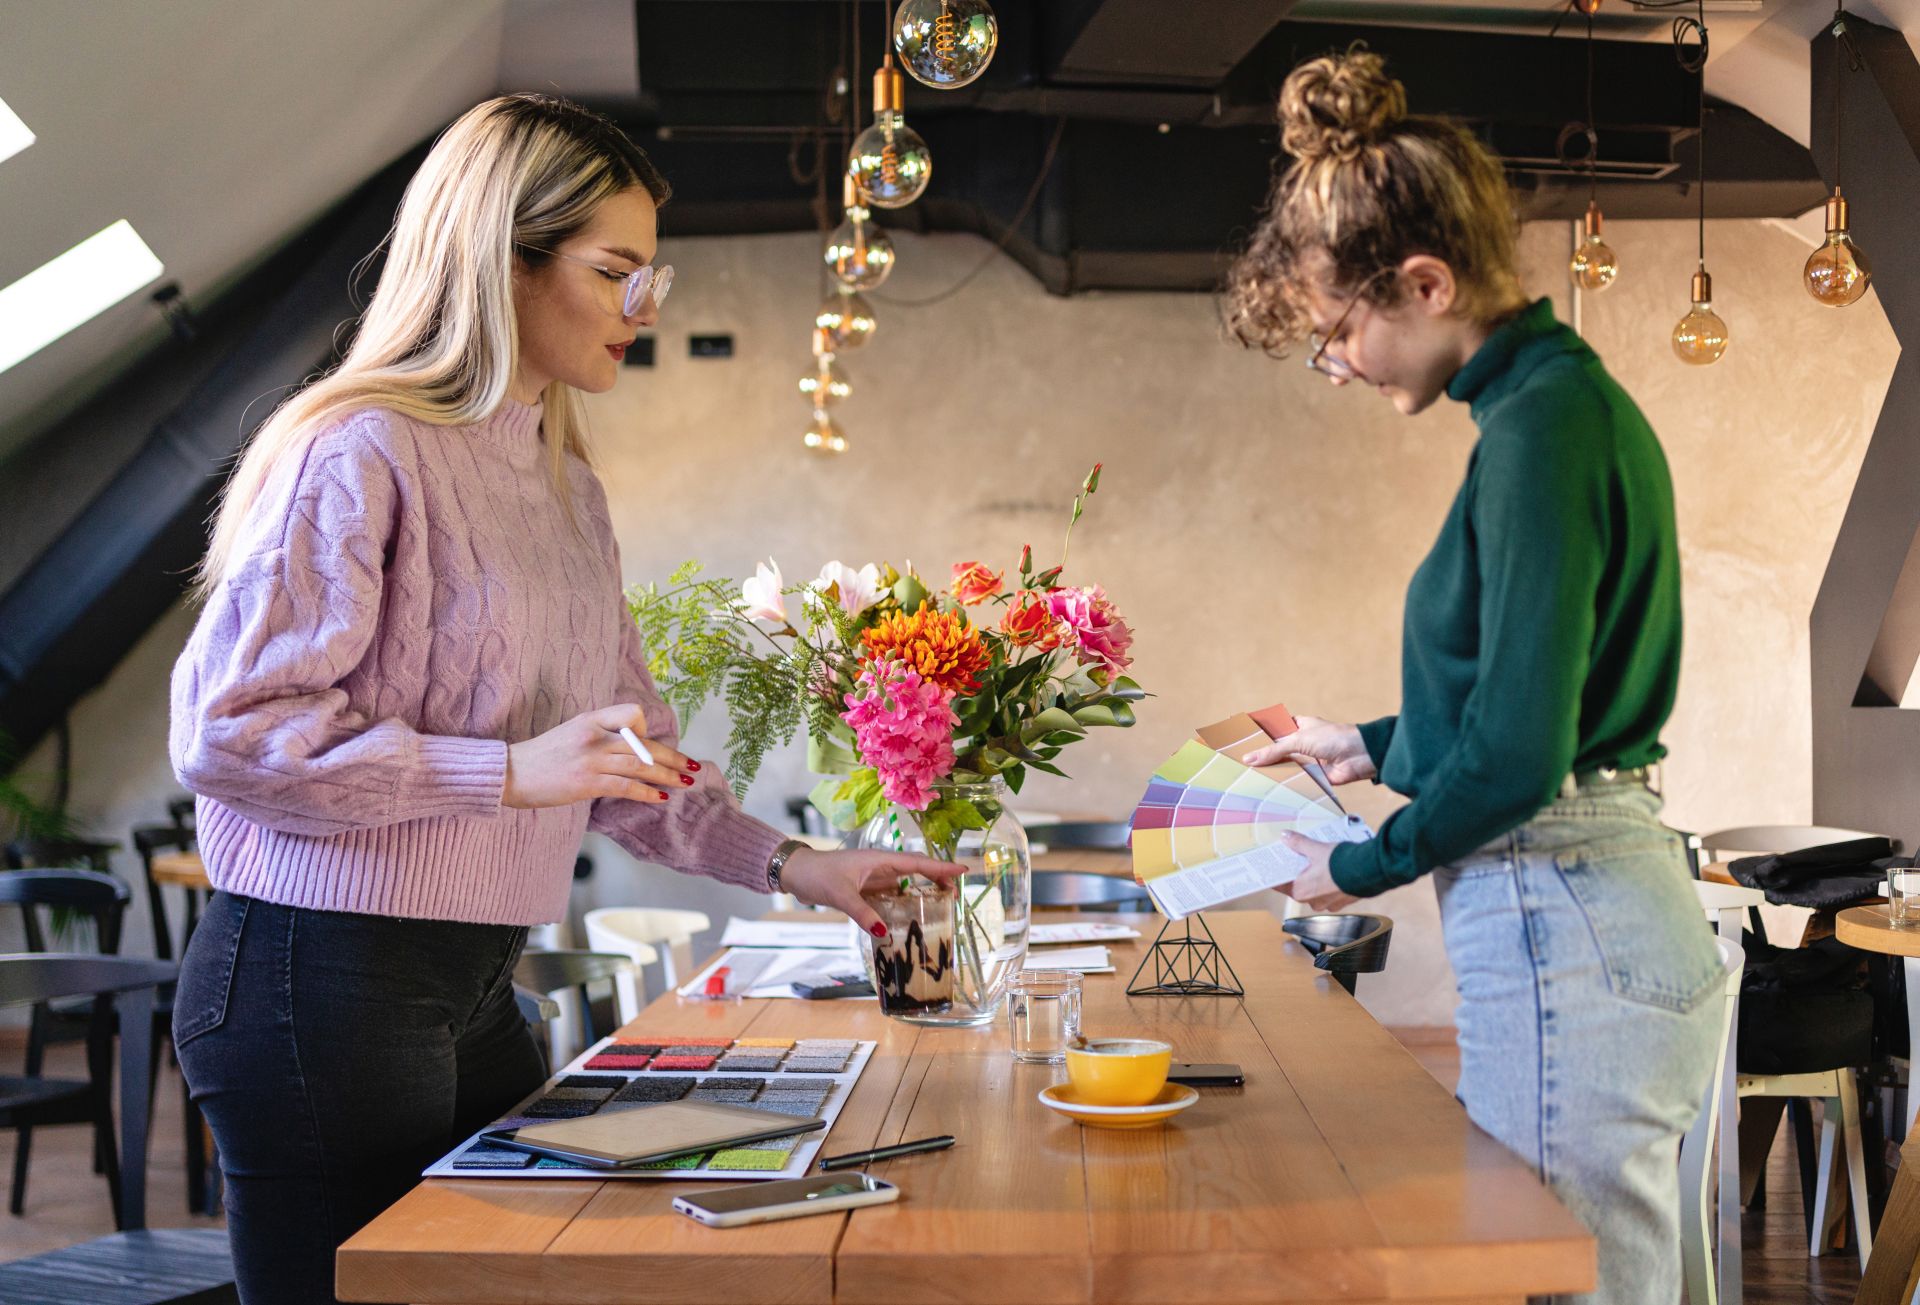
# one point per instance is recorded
(1209, 830)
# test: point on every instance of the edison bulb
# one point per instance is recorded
(826, 385)
(1594, 263)
(1837, 273)
(823, 435)
(1700, 337)
(845, 321)
(945, 43)
(859, 253)
(889, 161)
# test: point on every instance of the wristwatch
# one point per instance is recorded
(779, 862)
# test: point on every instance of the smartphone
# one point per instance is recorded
(787, 1198)
(1206, 1075)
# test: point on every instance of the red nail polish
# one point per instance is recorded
(693, 765)
(664, 796)
(879, 930)
(686, 779)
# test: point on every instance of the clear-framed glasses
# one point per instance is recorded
(1332, 365)
(635, 286)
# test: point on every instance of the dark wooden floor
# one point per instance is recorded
(67, 1201)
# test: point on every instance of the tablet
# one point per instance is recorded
(641, 1134)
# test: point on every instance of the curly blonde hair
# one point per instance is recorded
(1369, 185)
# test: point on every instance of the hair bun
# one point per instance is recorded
(1337, 105)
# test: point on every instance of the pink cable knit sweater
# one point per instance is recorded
(409, 600)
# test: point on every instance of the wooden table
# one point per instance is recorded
(1342, 1171)
(1893, 1270)
(185, 869)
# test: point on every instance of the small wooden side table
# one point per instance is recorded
(1894, 1267)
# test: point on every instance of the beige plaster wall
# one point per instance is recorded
(1256, 526)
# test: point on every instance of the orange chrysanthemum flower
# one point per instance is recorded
(940, 645)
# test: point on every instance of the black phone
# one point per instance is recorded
(1206, 1075)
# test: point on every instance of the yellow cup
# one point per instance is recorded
(1119, 1071)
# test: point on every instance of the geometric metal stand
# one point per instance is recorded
(1186, 965)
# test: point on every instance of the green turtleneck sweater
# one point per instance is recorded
(1542, 633)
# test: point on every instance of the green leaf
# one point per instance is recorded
(827, 756)
(1047, 722)
(1102, 713)
(1061, 738)
(1126, 689)
(862, 790)
(1015, 777)
(1049, 767)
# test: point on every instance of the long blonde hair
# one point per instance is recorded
(1370, 185)
(513, 177)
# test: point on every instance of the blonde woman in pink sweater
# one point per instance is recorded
(401, 705)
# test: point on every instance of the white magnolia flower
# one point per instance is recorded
(760, 597)
(855, 590)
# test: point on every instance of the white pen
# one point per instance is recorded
(639, 748)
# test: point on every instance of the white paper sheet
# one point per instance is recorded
(816, 966)
(1183, 892)
(783, 933)
(1087, 960)
(1041, 935)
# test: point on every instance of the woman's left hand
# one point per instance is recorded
(836, 879)
(1314, 886)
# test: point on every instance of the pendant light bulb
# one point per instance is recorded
(1701, 336)
(826, 386)
(823, 435)
(1594, 263)
(1837, 273)
(859, 254)
(945, 43)
(845, 320)
(889, 161)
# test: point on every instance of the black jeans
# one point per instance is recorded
(336, 1056)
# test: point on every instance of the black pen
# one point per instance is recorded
(852, 1158)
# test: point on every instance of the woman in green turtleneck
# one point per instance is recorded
(1541, 654)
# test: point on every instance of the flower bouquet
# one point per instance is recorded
(926, 709)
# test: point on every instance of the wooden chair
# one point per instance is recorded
(32, 1100)
(1088, 890)
(1344, 945)
(1701, 1215)
(133, 1266)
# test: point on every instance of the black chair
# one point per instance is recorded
(1344, 945)
(134, 1266)
(1088, 890)
(540, 972)
(203, 1178)
(56, 853)
(1084, 835)
(33, 1100)
(180, 812)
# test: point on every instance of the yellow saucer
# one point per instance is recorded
(1173, 1098)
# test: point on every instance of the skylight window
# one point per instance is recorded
(14, 135)
(77, 286)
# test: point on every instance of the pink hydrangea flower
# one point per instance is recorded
(1097, 630)
(903, 725)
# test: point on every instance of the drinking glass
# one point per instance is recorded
(1043, 1014)
(1903, 898)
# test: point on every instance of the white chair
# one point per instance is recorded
(1727, 905)
(647, 935)
(1719, 1118)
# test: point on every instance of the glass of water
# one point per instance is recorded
(1043, 1012)
(1903, 898)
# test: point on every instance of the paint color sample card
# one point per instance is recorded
(1208, 830)
(807, 1078)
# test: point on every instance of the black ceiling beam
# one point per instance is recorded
(1194, 43)
(126, 558)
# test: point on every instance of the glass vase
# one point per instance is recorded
(989, 909)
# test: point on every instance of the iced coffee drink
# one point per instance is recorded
(913, 964)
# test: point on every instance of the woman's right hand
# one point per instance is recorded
(585, 759)
(1339, 749)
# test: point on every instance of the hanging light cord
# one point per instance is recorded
(1842, 46)
(1006, 236)
(1593, 132)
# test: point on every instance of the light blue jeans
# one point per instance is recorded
(1589, 1021)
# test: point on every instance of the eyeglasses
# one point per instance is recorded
(636, 285)
(1328, 364)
